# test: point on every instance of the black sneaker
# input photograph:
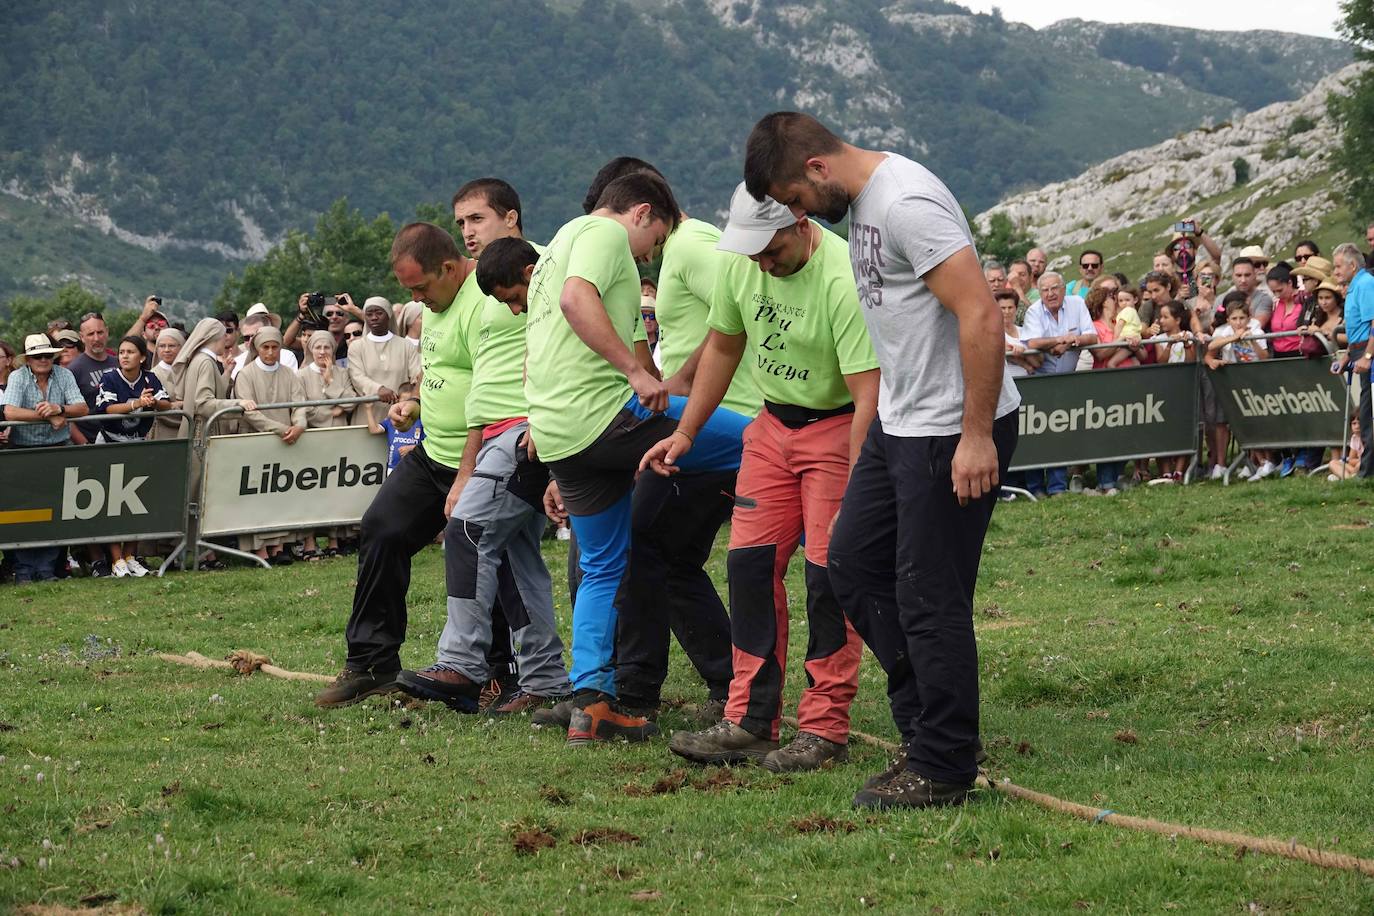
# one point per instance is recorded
(908, 789)
(352, 686)
(100, 569)
(556, 716)
(980, 757)
(444, 684)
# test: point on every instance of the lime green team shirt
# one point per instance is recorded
(573, 393)
(804, 332)
(447, 364)
(496, 339)
(686, 283)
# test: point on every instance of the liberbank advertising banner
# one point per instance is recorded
(92, 493)
(1106, 415)
(1283, 403)
(255, 482)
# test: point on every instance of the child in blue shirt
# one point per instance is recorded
(399, 443)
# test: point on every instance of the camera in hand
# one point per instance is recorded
(1187, 227)
(312, 315)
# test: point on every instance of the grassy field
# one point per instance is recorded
(1192, 654)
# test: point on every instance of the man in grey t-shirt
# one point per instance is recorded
(908, 538)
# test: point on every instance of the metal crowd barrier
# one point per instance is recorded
(197, 452)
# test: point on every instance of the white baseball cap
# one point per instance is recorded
(752, 223)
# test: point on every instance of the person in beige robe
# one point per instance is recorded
(323, 380)
(266, 381)
(379, 362)
(198, 374)
(168, 347)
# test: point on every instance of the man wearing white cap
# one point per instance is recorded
(1247, 275)
(793, 316)
(906, 547)
(380, 362)
(259, 317)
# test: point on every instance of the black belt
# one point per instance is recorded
(794, 417)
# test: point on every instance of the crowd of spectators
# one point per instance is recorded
(1306, 305)
(166, 382)
(333, 349)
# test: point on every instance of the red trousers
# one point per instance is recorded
(790, 481)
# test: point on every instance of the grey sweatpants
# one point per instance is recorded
(500, 511)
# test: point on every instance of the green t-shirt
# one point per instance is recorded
(498, 364)
(447, 364)
(573, 393)
(686, 282)
(805, 332)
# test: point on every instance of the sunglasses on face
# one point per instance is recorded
(1301, 258)
(649, 316)
(333, 314)
(69, 345)
(353, 333)
(41, 356)
(1090, 266)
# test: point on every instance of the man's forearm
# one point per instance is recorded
(719, 358)
(982, 356)
(587, 317)
(471, 447)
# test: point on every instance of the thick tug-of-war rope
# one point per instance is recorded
(245, 662)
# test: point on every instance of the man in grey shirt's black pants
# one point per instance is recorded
(905, 550)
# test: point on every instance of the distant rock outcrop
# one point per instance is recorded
(1285, 146)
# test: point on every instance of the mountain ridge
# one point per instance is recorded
(210, 129)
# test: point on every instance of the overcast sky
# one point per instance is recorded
(1311, 17)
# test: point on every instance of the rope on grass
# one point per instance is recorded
(244, 662)
(1288, 849)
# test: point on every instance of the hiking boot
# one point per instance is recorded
(442, 683)
(724, 742)
(711, 712)
(521, 702)
(353, 685)
(908, 789)
(598, 717)
(806, 752)
(556, 716)
(898, 763)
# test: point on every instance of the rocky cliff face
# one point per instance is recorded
(1285, 146)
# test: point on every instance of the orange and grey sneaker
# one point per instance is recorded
(598, 717)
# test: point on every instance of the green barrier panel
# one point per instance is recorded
(1107, 415)
(1283, 403)
(93, 493)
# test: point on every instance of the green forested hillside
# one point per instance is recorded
(222, 125)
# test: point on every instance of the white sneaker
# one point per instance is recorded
(1218, 472)
(1264, 471)
(1244, 473)
(1332, 478)
(136, 568)
(120, 569)
(1110, 491)
(1160, 481)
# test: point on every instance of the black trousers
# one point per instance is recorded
(407, 514)
(675, 523)
(903, 561)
